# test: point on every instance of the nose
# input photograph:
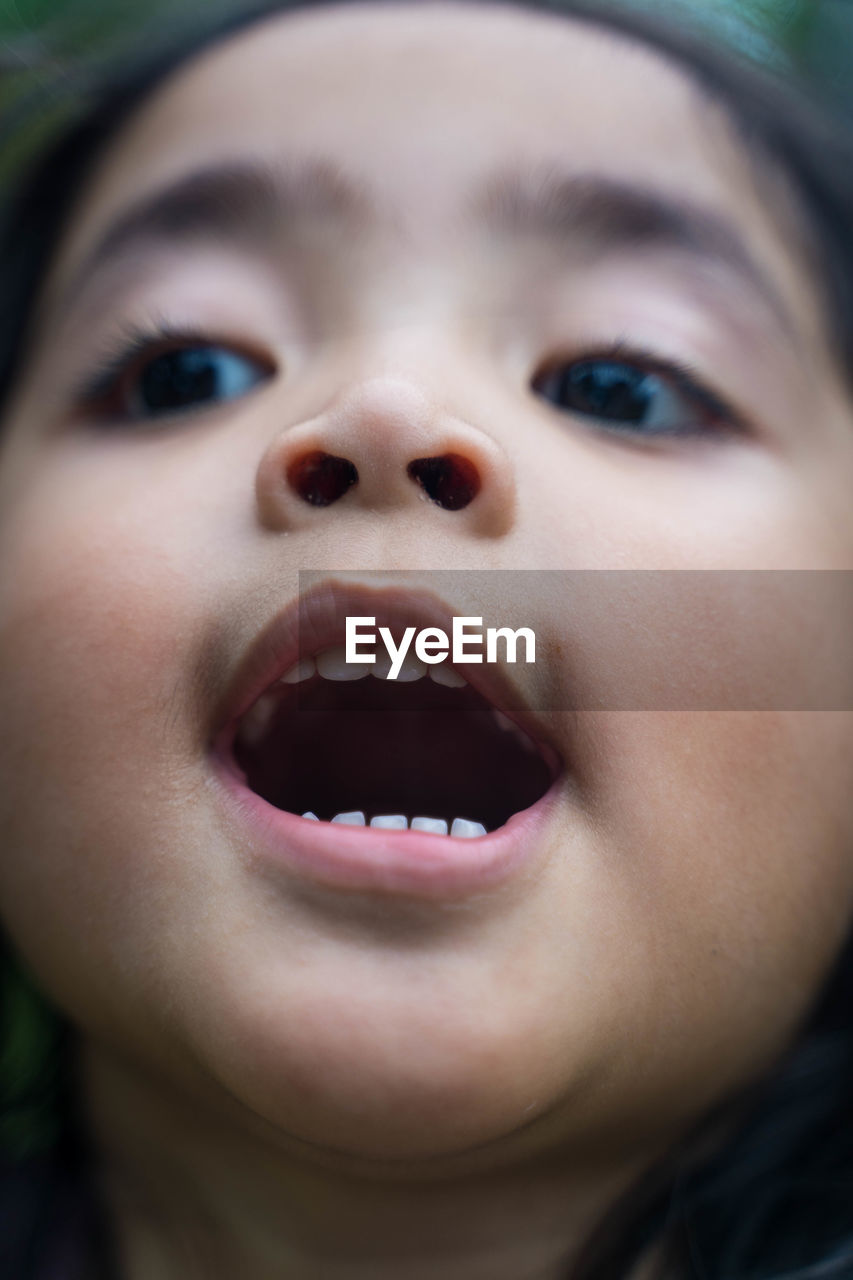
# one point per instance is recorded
(386, 446)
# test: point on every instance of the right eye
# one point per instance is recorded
(140, 385)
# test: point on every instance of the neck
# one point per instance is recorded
(193, 1197)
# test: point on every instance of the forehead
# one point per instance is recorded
(421, 103)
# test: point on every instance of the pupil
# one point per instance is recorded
(178, 378)
(609, 391)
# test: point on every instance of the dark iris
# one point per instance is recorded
(614, 391)
(181, 379)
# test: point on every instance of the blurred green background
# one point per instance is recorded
(45, 46)
(35, 28)
(44, 33)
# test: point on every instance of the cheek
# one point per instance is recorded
(93, 613)
(95, 616)
(602, 503)
(730, 835)
(709, 907)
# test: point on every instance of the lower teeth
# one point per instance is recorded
(462, 828)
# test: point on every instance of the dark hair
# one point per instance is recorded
(762, 1189)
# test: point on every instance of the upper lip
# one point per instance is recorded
(316, 620)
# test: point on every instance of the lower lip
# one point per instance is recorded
(377, 860)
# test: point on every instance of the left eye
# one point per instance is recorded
(179, 380)
(625, 396)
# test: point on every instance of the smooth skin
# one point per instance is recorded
(291, 1082)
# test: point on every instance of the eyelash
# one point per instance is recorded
(138, 345)
(684, 377)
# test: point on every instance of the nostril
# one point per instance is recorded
(321, 478)
(451, 480)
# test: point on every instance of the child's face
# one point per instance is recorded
(691, 883)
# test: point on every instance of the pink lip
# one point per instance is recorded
(410, 863)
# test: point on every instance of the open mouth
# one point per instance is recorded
(340, 743)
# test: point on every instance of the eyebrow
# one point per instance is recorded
(242, 203)
(606, 215)
(248, 203)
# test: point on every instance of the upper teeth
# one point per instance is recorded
(443, 673)
(257, 718)
(331, 664)
(302, 670)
